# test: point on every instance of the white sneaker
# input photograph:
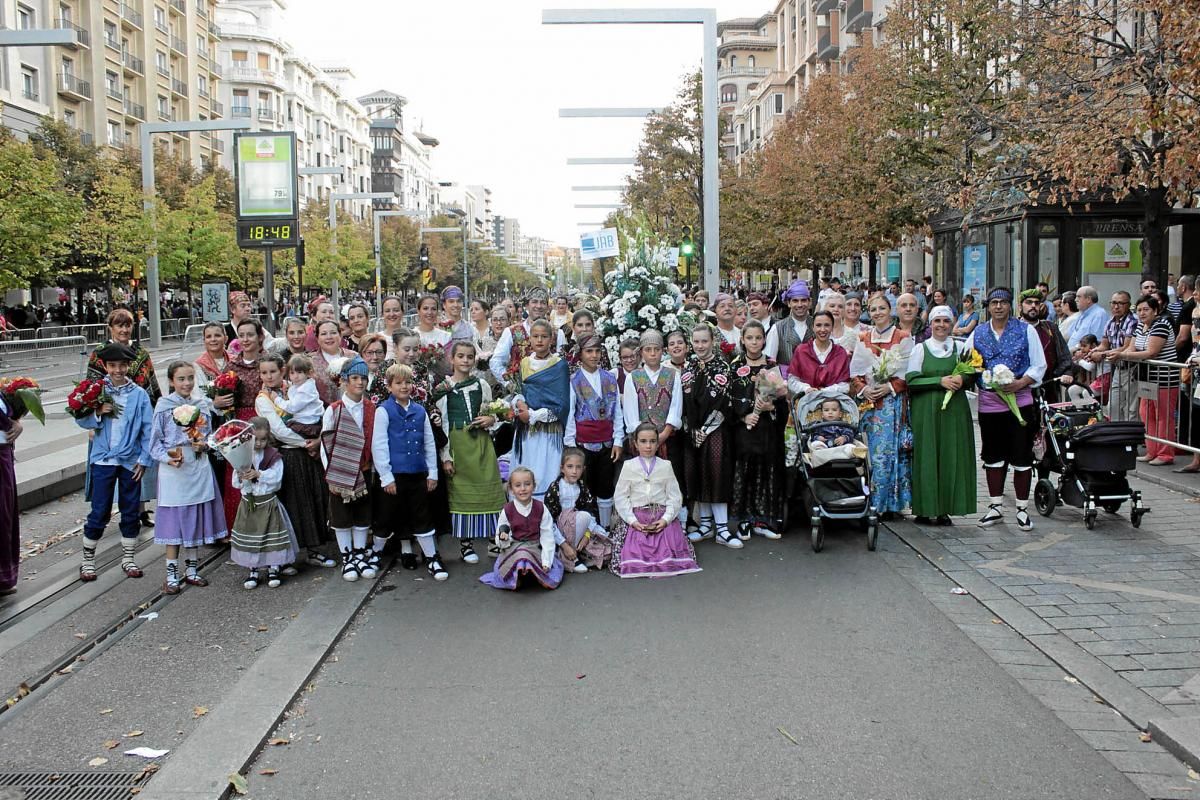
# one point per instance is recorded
(349, 566)
(469, 556)
(767, 533)
(579, 568)
(724, 537)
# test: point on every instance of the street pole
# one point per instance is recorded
(269, 287)
(334, 199)
(148, 129)
(466, 287)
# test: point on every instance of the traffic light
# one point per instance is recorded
(424, 257)
(428, 279)
(686, 247)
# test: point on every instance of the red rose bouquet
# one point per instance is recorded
(728, 349)
(430, 360)
(234, 441)
(87, 398)
(23, 395)
(225, 385)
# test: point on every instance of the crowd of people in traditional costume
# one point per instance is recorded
(507, 430)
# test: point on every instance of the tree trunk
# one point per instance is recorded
(1154, 241)
(872, 270)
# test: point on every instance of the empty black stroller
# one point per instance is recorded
(1091, 459)
(836, 480)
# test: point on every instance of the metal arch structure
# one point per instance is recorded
(707, 18)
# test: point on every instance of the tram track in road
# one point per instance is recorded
(65, 595)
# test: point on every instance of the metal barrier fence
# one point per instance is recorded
(1162, 394)
(35, 352)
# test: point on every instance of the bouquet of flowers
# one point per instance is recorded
(23, 395)
(225, 385)
(881, 373)
(641, 296)
(191, 420)
(430, 359)
(969, 363)
(500, 409)
(766, 387)
(727, 349)
(1002, 375)
(234, 441)
(87, 398)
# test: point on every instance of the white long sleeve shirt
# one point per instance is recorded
(546, 532)
(1037, 356)
(498, 363)
(381, 453)
(593, 379)
(303, 402)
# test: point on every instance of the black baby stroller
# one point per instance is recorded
(836, 480)
(1091, 458)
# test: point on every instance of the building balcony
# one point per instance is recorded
(742, 72)
(73, 88)
(179, 87)
(827, 48)
(178, 6)
(134, 111)
(161, 26)
(133, 64)
(254, 75)
(824, 6)
(87, 139)
(216, 69)
(857, 16)
(267, 114)
(214, 31)
(239, 111)
(179, 45)
(111, 41)
(202, 92)
(166, 115)
(202, 9)
(218, 146)
(131, 17)
(218, 108)
(82, 37)
(162, 70)
(114, 92)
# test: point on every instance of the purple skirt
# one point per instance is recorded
(520, 560)
(191, 526)
(10, 521)
(658, 555)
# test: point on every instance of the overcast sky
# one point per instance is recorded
(487, 79)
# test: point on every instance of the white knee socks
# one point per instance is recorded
(359, 538)
(380, 543)
(605, 508)
(344, 539)
(720, 513)
(406, 547)
(427, 544)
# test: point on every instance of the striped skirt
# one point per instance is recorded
(262, 533)
(523, 560)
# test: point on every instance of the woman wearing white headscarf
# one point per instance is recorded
(943, 467)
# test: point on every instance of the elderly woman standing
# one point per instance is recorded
(373, 349)
(943, 440)
(880, 359)
(141, 372)
(1155, 339)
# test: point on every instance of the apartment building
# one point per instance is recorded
(402, 159)
(506, 234)
(745, 56)
(131, 61)
(470, 203)
(278, 89)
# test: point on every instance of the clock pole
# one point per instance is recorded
(269, 287)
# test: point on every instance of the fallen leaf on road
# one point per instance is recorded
(23, 690)
(268, 772)
(165, 647)
(106, 711)
(110, 744)
(581, 676)
(199, 711)
(262, 629)
(279, 741)
(788, 736)
(80, 635)
(997, 622)
(312, 687)
(147, 771)
(133, 734)
(238, 783)
(1193, 775)
(67, 670)
(958, 590)
(1145, 737)
(1070, 679)
(98, 761)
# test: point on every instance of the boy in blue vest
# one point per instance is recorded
(405, 457)
(120, 456)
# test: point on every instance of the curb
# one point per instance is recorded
(1180, 736)
(1167, 483)
(230, 737)
(1139, 708)
(44, 488)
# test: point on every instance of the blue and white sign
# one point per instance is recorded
(599, 244)
(974, 269)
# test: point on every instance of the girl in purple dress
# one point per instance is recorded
(526, 531)
(648, 540)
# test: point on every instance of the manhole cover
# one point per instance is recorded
(69, 785)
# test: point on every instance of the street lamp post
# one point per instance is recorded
(334, 199)
(148, 129)
(378, 255)
(707, 18)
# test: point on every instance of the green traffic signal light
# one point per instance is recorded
(685, 246)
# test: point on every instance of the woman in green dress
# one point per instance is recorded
(943, 469)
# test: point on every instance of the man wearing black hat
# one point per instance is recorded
(120, 455)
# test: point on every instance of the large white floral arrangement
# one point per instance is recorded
(640, 297)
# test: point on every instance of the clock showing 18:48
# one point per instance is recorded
(268, 232)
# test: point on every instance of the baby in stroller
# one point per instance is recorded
(830, 434)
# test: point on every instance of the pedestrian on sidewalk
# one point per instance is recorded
(10, 521)
(943, 439)
(1154, 339)
(189, 506)
(119, 458)
(1007, 438)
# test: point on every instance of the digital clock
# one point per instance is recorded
(268, 232)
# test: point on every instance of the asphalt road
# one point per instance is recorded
(692, 686)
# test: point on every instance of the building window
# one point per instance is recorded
(729, 93)
(733, 62)
(29, 83)
(115, 136)
(26, 20)
(110, 34)
(750, 62)
(264, 60)
(111, 84)
(161, 62)
(160, 19)
(777, 102)
(69, 118)
(68, 67)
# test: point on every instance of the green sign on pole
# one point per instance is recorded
(268, 203)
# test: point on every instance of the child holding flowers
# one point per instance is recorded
(190, 513)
